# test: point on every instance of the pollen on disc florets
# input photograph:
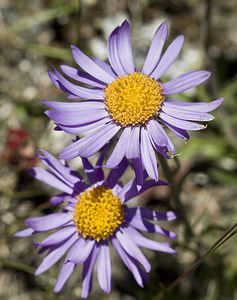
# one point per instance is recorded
(133, 99)
(98, 213)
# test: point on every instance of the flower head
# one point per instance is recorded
(95, 216)
(134, 104)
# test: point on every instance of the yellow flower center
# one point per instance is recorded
(98, 213)
(133, 99)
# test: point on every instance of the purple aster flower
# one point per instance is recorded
(95, 216)
(134, 104)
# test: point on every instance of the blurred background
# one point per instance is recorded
(36, 34)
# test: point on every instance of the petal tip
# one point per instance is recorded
(73, 47)
(164, 25)
(171, 215)
(56, 290)
(38, 271)
(17, 234)
(125, 23)
(173, 235)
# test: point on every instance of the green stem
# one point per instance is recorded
(224, 238)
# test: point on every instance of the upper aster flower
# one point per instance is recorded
(95, 216)
(134, 104)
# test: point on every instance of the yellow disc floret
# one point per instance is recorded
(98, 213)
(133, 99)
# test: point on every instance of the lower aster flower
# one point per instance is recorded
(95, 216)
(126, 101)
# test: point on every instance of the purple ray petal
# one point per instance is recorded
(133, 144)
(54, 79)
(73, 249)
(58, 236)
(82, 76)
(148, 155)
(184, 82)
(50, 179)
(119, 150)
(102, 155)
(154, 53)
(76, 117)
(54, 255)
(87, 273)
(24, 232)
(148, 213)
(99, 174)
(90, 144)
(57, 199)
(131, 248)
(113, 53)
(130, 190)
(116, 173)
(89, 170)
(160, 139)
(139, 223)
(65, 173)
(183, 134)
(49, 222)
(144, 242)
(64, 274)
(104, 267)
(90, 66)
(168, 57)
(128, 261)
(133, 152)
(180, 123)
(199, 106)
(82, 250)
(125, 48)
(138, 170)
(68, 208)
(80, 128)
(72, 106)
(131, 185)
(187, 114)
(77, 90)
(104, 66)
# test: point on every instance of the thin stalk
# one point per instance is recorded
(223, 239)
